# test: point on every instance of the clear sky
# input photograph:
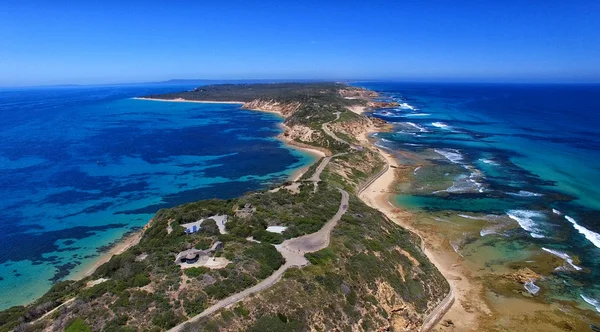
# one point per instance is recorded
(87, 41)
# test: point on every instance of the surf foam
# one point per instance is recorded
(564, 256)
(451, 154)
(525, 220)
(593, 302)
(524, 193)
(591, 236)
(441, 125)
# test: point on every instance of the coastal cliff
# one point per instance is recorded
(372, 275)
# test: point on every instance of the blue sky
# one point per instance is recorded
(86, 42)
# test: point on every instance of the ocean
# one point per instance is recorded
(510, 174)
(82, 166)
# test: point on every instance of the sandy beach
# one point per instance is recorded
(468, 306)
(119, 247)
(181, 100)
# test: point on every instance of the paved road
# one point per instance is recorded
(293, 251)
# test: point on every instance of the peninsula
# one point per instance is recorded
(315, 253)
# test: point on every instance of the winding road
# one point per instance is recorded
(293, 251)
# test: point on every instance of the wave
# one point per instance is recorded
(451, 154)
(555, 211)
(416, 126)
(591, 236)
(489, 217)
(525, 220)
(524, 193)
(466, 183)
(389, 114)
(407, 106)
(416, 114)
(564, 256)
(489, 162)
(593, 302)
(531, 287)
(441, 125)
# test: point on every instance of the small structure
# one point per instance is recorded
(246, 211)
(276, 229)
(196, 226)
(192, 256)
(192, 227)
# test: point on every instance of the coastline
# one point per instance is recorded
(462, 288)
(129, 240)
(181, 100)
(116, 248)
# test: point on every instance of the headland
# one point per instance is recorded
(369, 273)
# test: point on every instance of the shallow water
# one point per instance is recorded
(83, 166)
(520, 161)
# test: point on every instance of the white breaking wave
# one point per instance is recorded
(416, 169)
(489, 217)
(464, 183)
(489, 162)
(593, 302)
(417, 114)
(555, 211)
(406, 106)
(591, 236)
(451, 154)
(524, 218)
(389, 114)
(441, 125)
(564, 256)
(531, 287)
(416, 126)
(524, 193)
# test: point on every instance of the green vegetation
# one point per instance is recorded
(366, 270)
(322, 93)
(351, 285)
(78, 325)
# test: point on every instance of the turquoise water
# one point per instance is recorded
(508, 164)
(83, 166)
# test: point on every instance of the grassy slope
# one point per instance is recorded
(361, 280)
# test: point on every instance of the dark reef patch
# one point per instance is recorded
(28, 246)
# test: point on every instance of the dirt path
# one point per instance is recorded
(293, 251)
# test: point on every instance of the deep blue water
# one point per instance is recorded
(79, 167)
(523, 158)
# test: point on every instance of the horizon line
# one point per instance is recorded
(177, 81)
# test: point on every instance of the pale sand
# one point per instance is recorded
(118, 248)
(357, 109)
(181, 100)
(468, 305)
(134, 238)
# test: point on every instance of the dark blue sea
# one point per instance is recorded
(82, 166)
(511, 173)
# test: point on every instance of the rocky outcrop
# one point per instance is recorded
(357, 93)
(524, 275)
(359, 127)
(284, 109)
(382, 104)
